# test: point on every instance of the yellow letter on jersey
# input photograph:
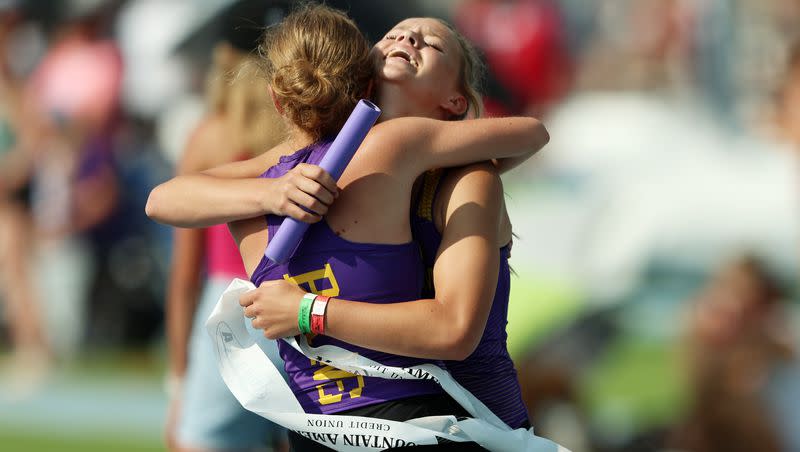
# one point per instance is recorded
(311, 277)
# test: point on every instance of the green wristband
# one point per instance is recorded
(304, 314)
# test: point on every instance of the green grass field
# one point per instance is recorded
(22, 441)
(635, 386)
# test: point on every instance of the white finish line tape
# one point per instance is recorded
(259, 387)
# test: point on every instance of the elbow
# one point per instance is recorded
(459, 350)
(461, 328)
(461, 342)
(542, 136)
(153, 208)
(545, 134)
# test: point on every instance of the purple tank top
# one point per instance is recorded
(327, 264)
(488, 373)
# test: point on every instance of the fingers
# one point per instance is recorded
(316, 190)
(297, 213)
(309, 192)
(307, 201)
(320, 176)
(247, 298)
(250, 312)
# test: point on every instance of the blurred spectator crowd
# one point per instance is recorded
(659, 228)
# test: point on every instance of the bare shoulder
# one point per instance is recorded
(212, 144)
(387, 144)
(211, 132)
(252, 167)
(392, 131)
(404, 123)
(271, 156)
(477, 184)
(401, 131)
(202, 146)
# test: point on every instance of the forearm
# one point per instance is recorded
(506, 164)
(200, 200)
(179, 316)
(182, 295)
(510, 138)
(538, 138)
(421, 328)
(454, 144)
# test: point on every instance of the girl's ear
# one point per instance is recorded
(455, 105)
(276, 102)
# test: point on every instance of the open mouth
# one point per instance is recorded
(399, 53)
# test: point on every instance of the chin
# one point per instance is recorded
(394, 74)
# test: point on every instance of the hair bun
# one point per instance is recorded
(303, 82)
(319, 67)
(307, 94)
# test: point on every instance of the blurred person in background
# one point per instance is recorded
(64, 132)
(240, 123)
(526, 51)
(639, 45)
(788, 101)
(692, 191)
(30, 351)
(739, 351)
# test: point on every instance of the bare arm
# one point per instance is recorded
(183, 285)
(422, 143)
(447, 327)
(507, 164)
(183, 288)
(234, 192)
(182, 292)
(201, 200)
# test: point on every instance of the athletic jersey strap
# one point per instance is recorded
(423, 228)
(427, 194)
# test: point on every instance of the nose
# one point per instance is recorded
(409, 36)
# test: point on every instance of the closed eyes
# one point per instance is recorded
(435, 46)
(427, 43)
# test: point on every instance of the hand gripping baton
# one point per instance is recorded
(290, 233)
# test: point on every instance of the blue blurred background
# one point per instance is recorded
(654, 305)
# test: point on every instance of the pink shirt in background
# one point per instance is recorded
(222, 254)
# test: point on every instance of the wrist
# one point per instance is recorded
(267, 197)
(173, 385)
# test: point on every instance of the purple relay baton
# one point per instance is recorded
(289, 235)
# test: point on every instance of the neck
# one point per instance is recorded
(395, 102)
(297, 138)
